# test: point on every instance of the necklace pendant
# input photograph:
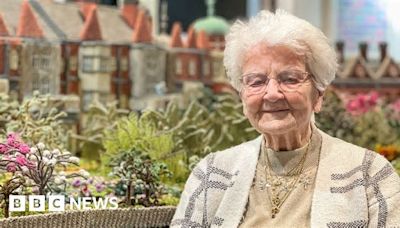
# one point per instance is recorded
(274, 211)
(276, 201)
(306, 182)
(277, 182)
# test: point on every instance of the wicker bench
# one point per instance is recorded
(107, 218)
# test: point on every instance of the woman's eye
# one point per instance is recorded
(257, 82)
(287, 78)
(290, 80)
(254, 81)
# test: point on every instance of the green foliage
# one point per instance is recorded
(373, 128)
(200, 129)
(334, 119)
(133, 132)
(36, 120)
(141, 175)
(169, 200)
(188, 127)
(366, 130)
(97, 121)
(228, 126)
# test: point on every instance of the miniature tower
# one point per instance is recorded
(148, 63)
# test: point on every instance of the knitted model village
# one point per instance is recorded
(89, 51)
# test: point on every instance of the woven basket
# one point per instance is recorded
(104, 218)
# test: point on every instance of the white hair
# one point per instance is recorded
(283, 29)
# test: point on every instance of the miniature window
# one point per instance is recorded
(104, 64)
(88, 64)
(41, 62)
(14, 59)
(178, 66)
(112, 64)
(44, 86)
(73, 63)
(206, 68)
(41, 84)
(124, 64)
(35, 85)
(192, 68)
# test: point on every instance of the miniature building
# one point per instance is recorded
(361, 75)
(216, 27)
(95, 52)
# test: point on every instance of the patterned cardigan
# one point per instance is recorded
(354, 187)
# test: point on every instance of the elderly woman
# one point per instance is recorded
(293, 175)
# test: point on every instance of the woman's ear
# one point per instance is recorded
(318, 102)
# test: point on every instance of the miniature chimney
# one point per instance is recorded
(363, 46)
(3, 27)
(340, 51)
(91, 29)
(383, 50)
(142, 32)
(202, 41)
(28, 25)
(191, 39)
(129, 13)
(176, 40)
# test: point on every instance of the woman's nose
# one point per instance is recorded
(272, 91)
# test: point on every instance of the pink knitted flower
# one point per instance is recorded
(22, 161)
(3, 148)
(24, 149)
(11, 167)
(12, 140)
(362, 103)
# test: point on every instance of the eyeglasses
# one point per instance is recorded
(288, 81)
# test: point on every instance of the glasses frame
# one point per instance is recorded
(307, 78)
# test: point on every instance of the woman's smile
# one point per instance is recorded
(277, 111)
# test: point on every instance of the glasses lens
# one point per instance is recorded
(255, 83)
(290, 81)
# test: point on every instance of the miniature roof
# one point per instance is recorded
(3, 27)
(212, 25)
(91, 28)
(86, 8)
(202, 41)
(142, 32)
(176, 40)
(388, 68)
(129, 13)
(27, 24)
(350, 68)
(191, 38)
(63, 21)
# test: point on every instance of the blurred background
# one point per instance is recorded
(130, 85)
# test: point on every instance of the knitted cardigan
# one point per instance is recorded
(354, 187)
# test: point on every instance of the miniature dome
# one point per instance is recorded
(212, 25)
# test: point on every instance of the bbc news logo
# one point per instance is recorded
(57, 203)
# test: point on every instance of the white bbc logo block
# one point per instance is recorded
(17, 203)
(56, 203)
(37, 203)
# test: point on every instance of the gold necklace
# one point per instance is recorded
(294, 173)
